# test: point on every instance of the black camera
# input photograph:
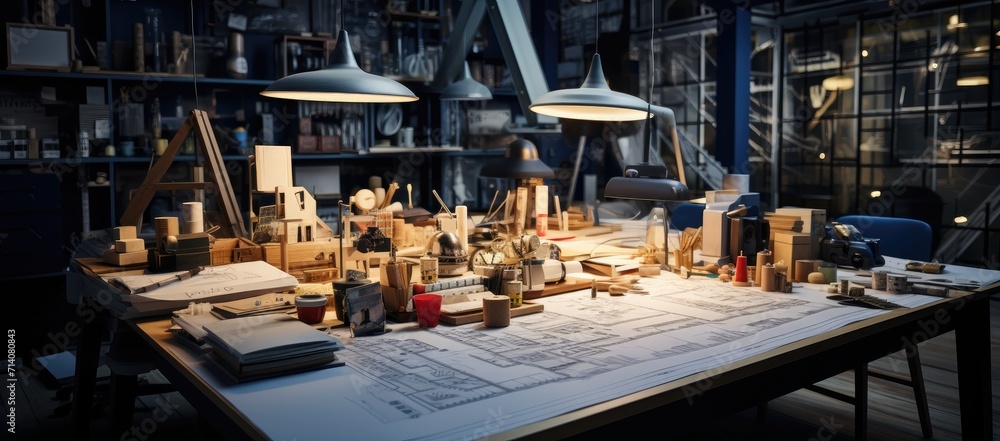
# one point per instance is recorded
(748, 235)
(844, 245)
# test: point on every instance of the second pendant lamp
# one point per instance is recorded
(342, 81)
(466, 89)
(593, 100)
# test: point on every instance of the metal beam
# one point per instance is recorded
(518, 50)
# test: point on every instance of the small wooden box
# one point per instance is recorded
(305, 125)
(229, 250)
(329, 144)
(307, 144)
(790, 246)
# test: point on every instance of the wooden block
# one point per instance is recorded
(125, 232)
(125, 259)
(129, 245)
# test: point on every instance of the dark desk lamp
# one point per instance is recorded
(522, 164)
(649, 182)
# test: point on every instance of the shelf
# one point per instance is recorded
(109, 160)
(134, 76)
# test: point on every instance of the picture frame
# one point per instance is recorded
(37, 47)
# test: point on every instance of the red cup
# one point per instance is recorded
(311, 308)
(428, 307)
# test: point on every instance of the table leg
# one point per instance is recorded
(861, 402)
(88, 354)
(972, 347)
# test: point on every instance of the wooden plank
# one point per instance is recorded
(472, 317)
(557, 288)
(168, 186)
(227, 198)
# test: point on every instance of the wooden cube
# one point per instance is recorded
(124, 232)
(129, 245)
(125, 259)
(790, 246)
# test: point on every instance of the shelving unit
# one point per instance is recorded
(229, 102)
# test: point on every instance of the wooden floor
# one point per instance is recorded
(42, 408)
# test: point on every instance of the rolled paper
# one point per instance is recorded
(879, 280)
(462, 229)
(763, 258)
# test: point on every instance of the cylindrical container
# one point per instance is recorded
(780, 279)
(496, 311)
(845, 286)
(879, 280)
(236, 65)
(802, 270)
(513, 291)
(138, 47)
(398, 235)
(428, 269)
(194, 221)
(340, 287)
(310, 308)
(83, 149)
(160, 145)
(763, 258)
(428, 308)
(829, 271)
(164, 226)
(766, 274)
(740, 182)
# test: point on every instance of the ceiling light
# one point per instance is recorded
(961, 219)
(593, 100)
(876, 193)
(822, 156)
(466, 89)
(864, 52)
(342, 81)
(979, 80)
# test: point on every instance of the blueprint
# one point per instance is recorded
(598, 348)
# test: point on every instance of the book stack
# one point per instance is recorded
(263, 346)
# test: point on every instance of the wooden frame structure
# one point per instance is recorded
(218, 181)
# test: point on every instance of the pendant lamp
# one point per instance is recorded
(466, 89)
(342, 81)
(593, 100)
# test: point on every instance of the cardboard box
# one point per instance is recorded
(125, 259)
(790, 246)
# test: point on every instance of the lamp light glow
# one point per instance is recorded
(961, 219)
(342, 81)
(593, 100)
(838, 82)
(876, 193)
(864, 52)
(979, 80)
(954, 23)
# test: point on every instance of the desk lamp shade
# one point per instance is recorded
(594, 100)
(466, 89)
(342, 82)
(632, 186)
(520, 162)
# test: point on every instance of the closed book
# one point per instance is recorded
(267, 337)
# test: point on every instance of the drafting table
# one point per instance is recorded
(739, 374)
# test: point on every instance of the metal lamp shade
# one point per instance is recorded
(520, 162)
(646, 189)
(342, 81)
(466, 89)
(593, 100)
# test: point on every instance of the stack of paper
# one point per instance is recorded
(221, 283)
(261, 346)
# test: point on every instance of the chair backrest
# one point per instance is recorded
(687, 215)
(899, 237)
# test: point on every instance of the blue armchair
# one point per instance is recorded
(898, 237)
